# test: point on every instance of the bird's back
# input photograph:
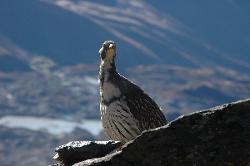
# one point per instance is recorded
(144, 108)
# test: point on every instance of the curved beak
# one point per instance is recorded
(111, 46)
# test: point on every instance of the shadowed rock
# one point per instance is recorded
(77, 151)
(217, 136)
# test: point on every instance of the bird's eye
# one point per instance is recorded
(105, 46)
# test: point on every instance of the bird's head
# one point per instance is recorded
(107, 53)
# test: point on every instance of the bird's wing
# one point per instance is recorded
(145, 110)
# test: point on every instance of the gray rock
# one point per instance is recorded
(77, 151)
(217, 136)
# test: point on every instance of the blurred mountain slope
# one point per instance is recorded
(189, 34)
(187, 55)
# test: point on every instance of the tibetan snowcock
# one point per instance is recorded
(126, 110)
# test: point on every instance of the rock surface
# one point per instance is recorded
(217, 136)
(76, 151)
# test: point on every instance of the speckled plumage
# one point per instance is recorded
(126, 110)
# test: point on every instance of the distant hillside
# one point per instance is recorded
(192, 54)
(188, 34)
(187, 55)
(24, 147)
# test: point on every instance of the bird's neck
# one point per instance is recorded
(108, 79)
(107, 72)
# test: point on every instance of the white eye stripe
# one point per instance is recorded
(100, 50)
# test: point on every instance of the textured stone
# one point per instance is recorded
(77, 151)
(217, 136)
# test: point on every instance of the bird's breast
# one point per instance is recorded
(109, 91)
(118, 122)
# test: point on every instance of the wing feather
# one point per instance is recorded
(145, 110)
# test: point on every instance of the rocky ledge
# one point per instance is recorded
(217, 136)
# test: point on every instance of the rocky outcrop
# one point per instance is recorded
(217, 136)
(76, 151)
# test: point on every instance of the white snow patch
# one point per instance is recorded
(52, 126)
